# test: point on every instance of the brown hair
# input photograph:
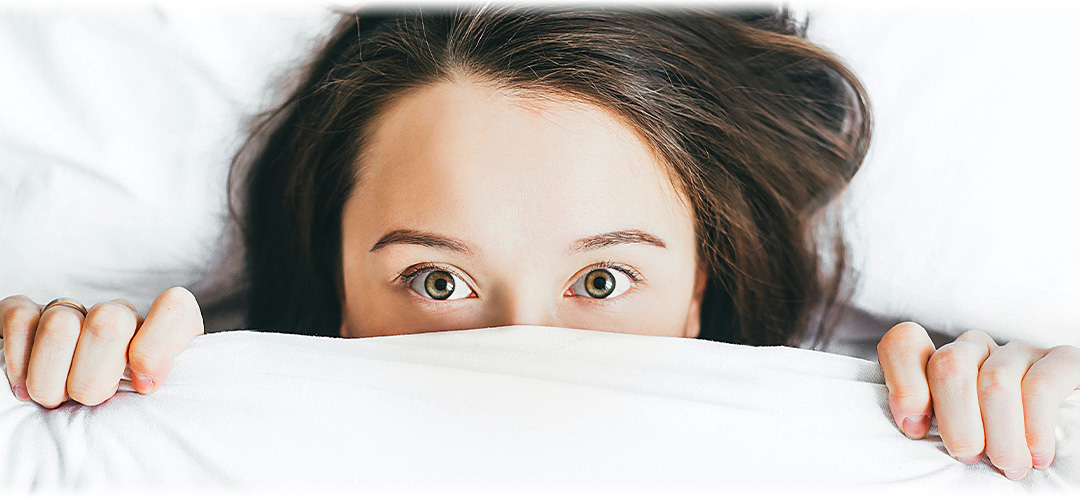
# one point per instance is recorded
(761, 130)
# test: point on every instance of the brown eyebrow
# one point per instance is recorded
(586, 244)
(616, 238)
(422, 238)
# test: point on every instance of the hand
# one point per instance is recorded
(59, 354)
(1001, 400)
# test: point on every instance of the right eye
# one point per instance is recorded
(602, 283)
(437, 284)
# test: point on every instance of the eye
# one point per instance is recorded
(602, 283)
(438, 284)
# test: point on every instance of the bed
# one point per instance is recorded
(117, 124)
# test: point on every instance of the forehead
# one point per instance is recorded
(467, 158)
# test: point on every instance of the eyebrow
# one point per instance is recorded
(613, 238)
(586, 244)
(422, 238)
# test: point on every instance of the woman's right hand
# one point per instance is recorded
(60, 354)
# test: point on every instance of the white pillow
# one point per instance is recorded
(966, 214)
(119, 123)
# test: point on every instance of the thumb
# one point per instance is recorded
(903, 353)
(173, 321)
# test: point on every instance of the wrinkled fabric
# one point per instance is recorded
(509, 407)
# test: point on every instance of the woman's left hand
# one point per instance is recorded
(998, 400)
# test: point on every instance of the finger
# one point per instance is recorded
(18, 322)
(1002, 407)
(903, 353)
(953, 373)
(50, 357)
(1049, 381)
(101, 352)
(173, 321)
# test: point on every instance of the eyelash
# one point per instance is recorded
(634, 275)
(412, 271)
(415, 269)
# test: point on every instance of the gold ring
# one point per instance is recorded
(64, 301)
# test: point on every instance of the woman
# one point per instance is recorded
(657, 172)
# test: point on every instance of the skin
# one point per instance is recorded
(1001, 401)
(518, 183)
(59, 354)
(509, 187)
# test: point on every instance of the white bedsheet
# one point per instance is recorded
(519, 407)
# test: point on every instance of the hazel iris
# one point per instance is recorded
(599, 283)
(439, 285)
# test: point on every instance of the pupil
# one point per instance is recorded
(439, 285)
(599, 283)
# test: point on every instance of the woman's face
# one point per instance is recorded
(476, 209)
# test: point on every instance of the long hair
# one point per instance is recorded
(760, 129)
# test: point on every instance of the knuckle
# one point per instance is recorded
(903, 334)
(59, 328)
(903, 338)
(179, 303)
(18, 318)
(907, 404)
(975, 335)
(123, 303)
(178, 299)
(143, 360)
(15, 301)
(906, 397)
(1068, 351)
(948, 363)
(110, 321)
(994, 383)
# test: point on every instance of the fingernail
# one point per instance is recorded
(21, 393)
(1040, 461)
(1015, 474)
(915, 427)
(970, 460)
(142, 383)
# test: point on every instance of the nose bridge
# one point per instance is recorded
(522, 306)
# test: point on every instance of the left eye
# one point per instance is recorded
(603, 283)
(440, 285)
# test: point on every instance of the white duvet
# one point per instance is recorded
(520, 407)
